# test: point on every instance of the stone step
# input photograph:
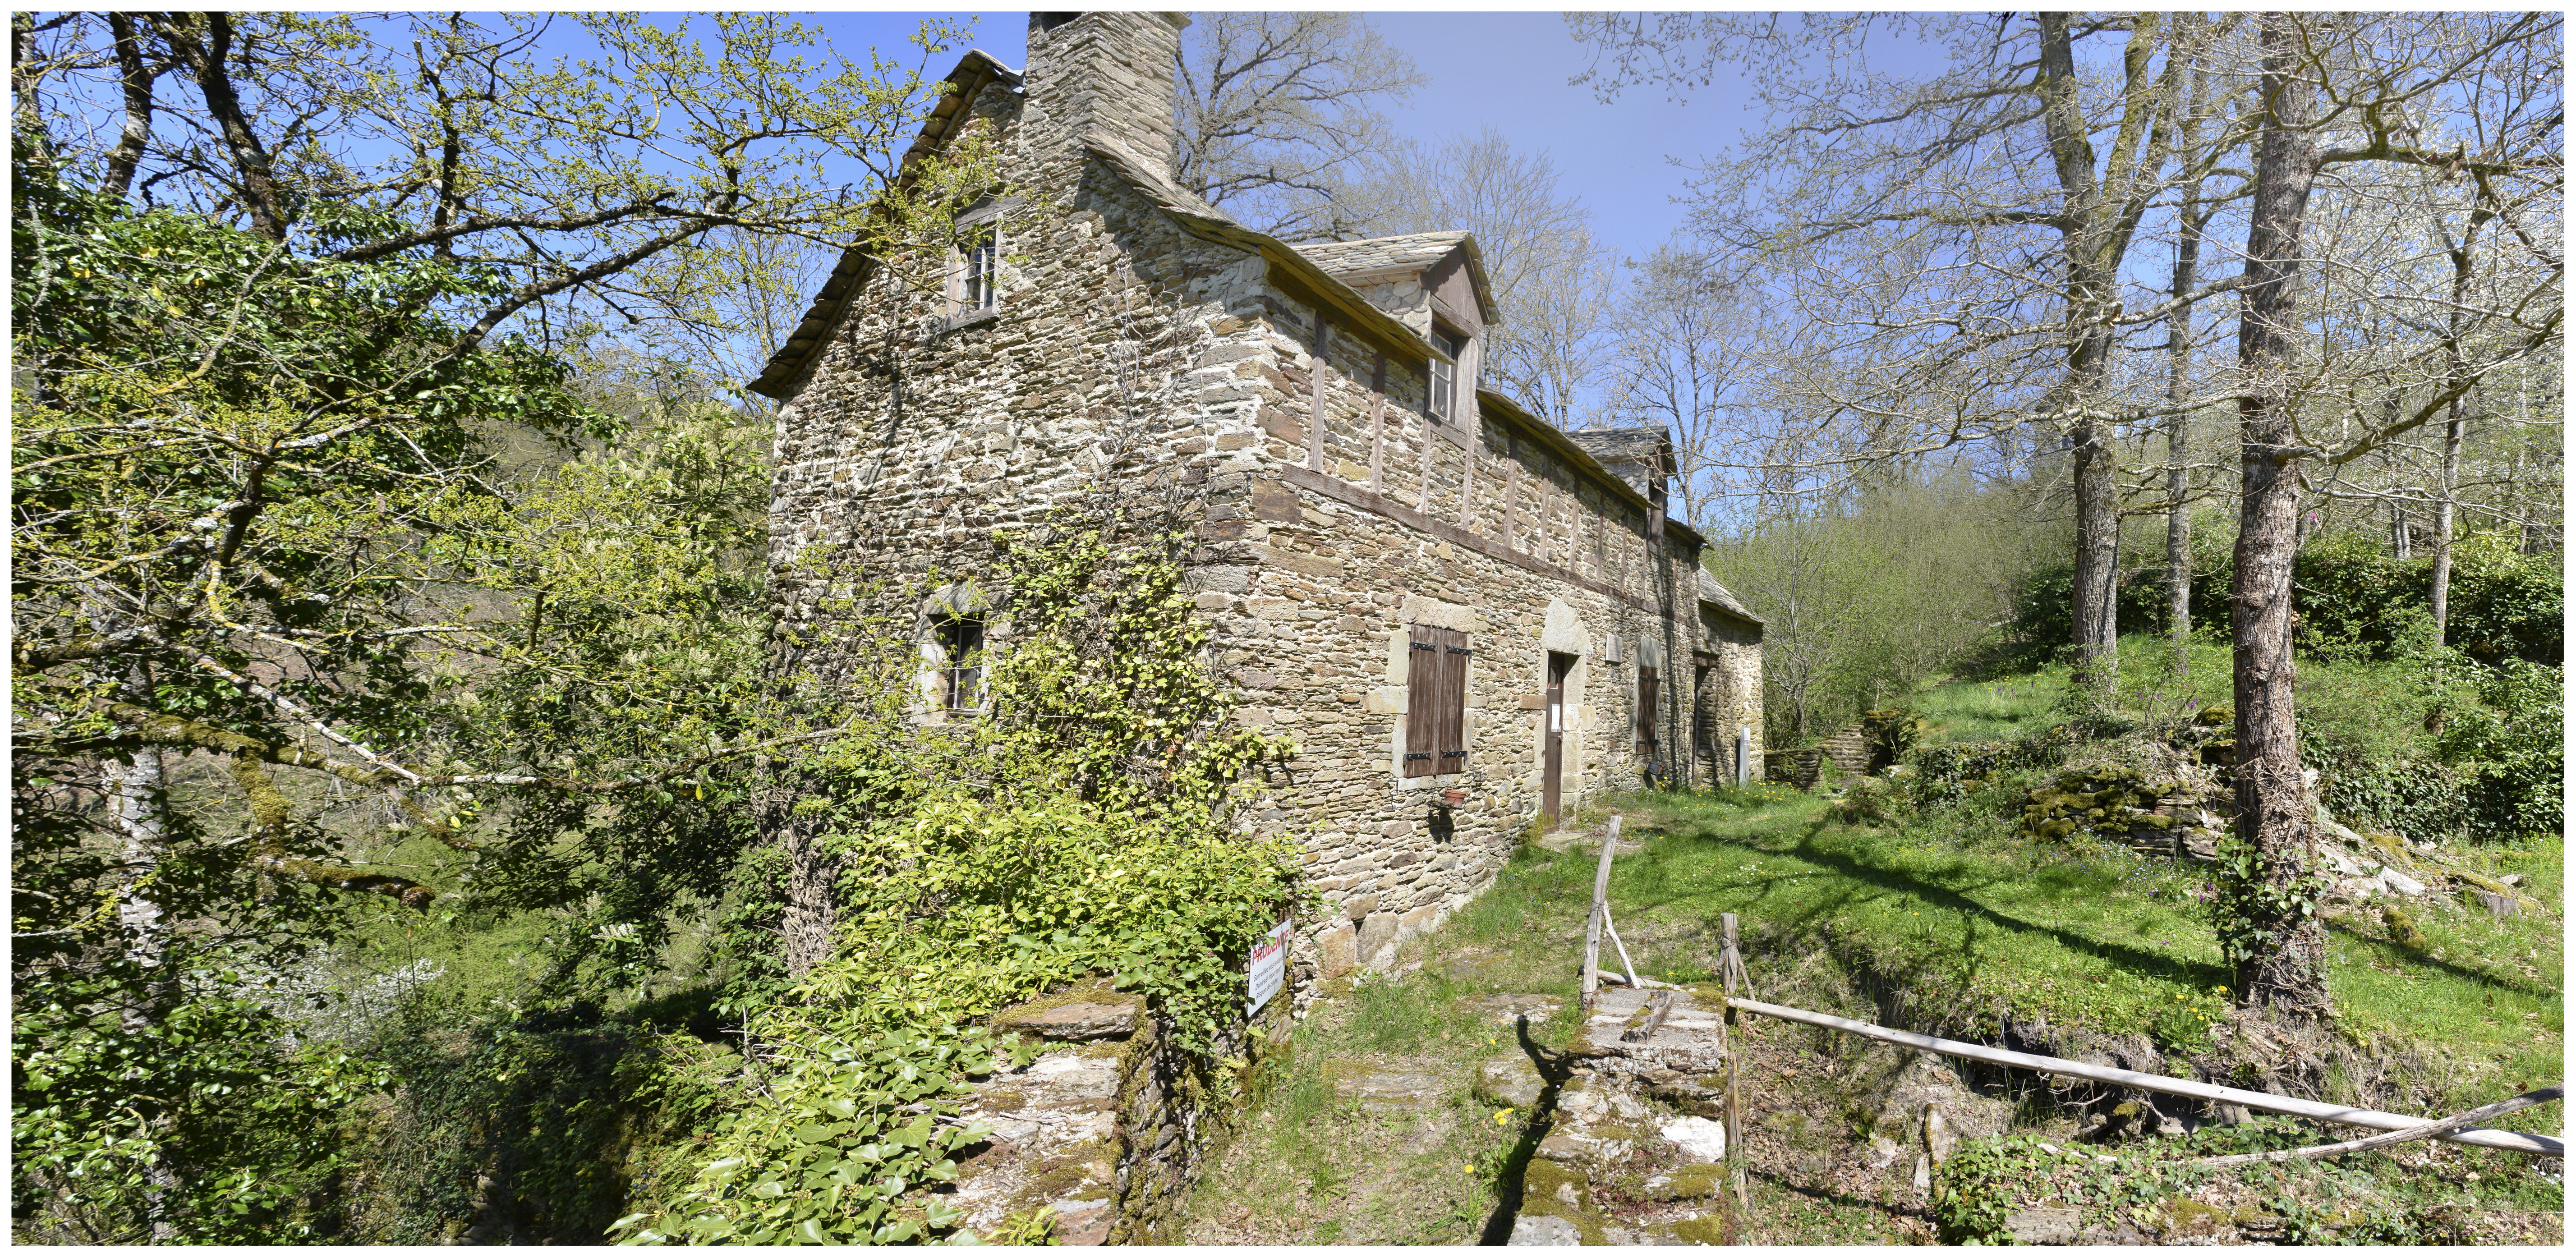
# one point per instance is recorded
(1602, 1122)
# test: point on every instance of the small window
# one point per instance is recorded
(1444, 375)
(961, 662)
(1435, 725)
(982, 288)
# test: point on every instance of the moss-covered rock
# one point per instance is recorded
(2402, 928)
(1552, 1189)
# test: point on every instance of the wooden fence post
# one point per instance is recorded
(1730, 968)
(1600, 907)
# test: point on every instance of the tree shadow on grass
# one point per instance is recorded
(2430, 962)
(1554, 1069)
(1892, 882)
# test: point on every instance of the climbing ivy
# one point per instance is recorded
(1084, 821)
(2249, 888)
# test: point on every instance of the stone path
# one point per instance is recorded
(1606, 1126)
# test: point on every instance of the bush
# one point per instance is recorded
(2353, 600)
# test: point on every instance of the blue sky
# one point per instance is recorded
(1507, 70)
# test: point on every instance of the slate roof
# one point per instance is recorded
(1416, 252)
(1720, 597)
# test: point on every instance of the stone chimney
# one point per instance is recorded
(1102, 74)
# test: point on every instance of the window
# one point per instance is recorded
(961, 662)
(1435, 725)
(981, 288)
(1444, 375)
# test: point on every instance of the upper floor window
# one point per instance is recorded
(975, 268)
(982, 249)
(961, 662)
(1444, 375)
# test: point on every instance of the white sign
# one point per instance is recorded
(1269, 966)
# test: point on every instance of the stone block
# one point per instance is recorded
(1377, 935)
(1336, 951)
(1086, 1013)
(1274, 501)
(2042, 1225)
(1511, 1080)
(1360, 907)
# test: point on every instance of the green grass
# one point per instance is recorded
(1991, 711)
(2380, 705)
(1970, 916)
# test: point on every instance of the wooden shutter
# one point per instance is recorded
(1454, 654)
(1422, 704)
(1435, 723)
(1645, 710)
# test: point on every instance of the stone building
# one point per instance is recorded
(1470, 620)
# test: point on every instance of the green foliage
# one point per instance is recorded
(1891, 733)
(2184, 1026)
(2354, 600)
(1982, 1183)
(1862, 596)
(1082, 823)
(2510, 748)
(1948, 771)
(556, 1115)
(827, 1152)
(199, 1125)
(2257, 898)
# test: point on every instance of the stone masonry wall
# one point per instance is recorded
(1126, 349)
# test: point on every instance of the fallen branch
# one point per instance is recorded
(2386, 1138)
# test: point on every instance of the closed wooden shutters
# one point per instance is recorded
(1435, 725)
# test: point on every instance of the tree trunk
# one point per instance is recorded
(136, 800)
(2099, 220)
(136, 80)
(2463, 255)
(2097, 561)
(2442, 524)
(2186, 273)
(807, 914)
(2280, 963)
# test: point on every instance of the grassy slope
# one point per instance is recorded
(2089, 935)
(2092, 933)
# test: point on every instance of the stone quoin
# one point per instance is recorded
(1466, 617)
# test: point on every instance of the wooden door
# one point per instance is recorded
(1552, 741)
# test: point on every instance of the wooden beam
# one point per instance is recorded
(1377, 425)
(2549, 1146)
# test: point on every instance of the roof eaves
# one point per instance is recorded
(1723, 599)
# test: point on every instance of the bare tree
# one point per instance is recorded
(1276, 109)
(1679, 349)
(2280, 963)
(1955, 243)
(2346, 102)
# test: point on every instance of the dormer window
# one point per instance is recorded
(1444, 375)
